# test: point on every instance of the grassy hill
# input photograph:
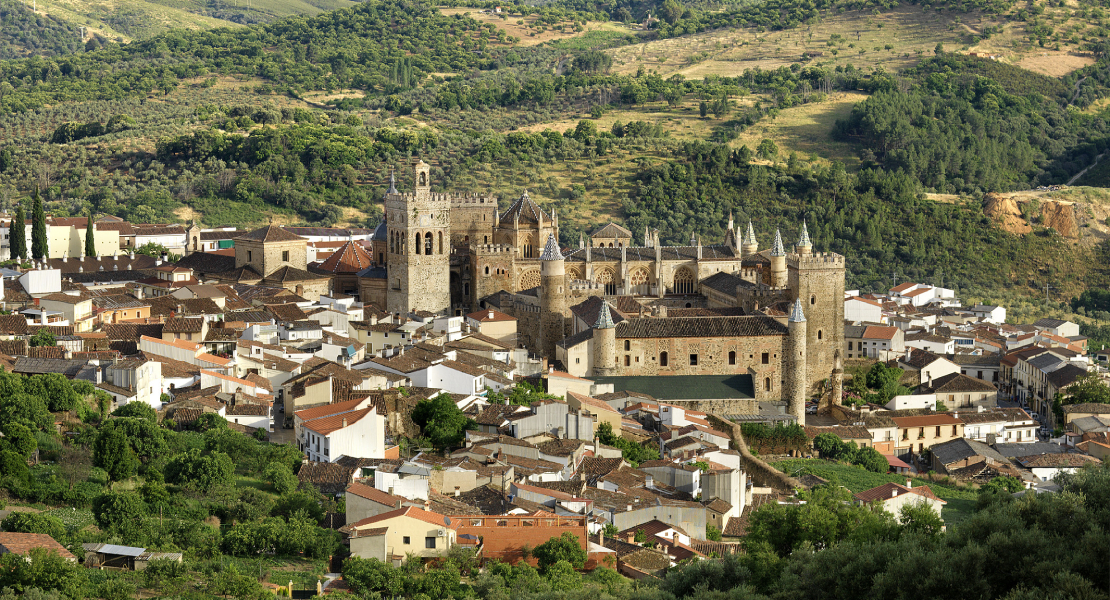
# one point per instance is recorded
(126, 20)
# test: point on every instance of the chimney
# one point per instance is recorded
(344, 422)
(894, 493)
(391, 493)
(909, 483)
(629, 508)
(456, 491)
(428, 505)
(491, 314)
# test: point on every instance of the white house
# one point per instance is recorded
(921, 401)
(990, 313)
(892, 497)
(230, 385)
(358, 434)
(937, 344)
(41, 282)
(858, 309)
(143, 378)
(188, 352)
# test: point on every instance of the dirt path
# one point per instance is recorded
(1080, 174)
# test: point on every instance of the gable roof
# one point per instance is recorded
(349, 258)
(22, 543)
(328, 425)
(411, 512)
(893, 490)
(956, 383)
(374, 494)
(963, 448)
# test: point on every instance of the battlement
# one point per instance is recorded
(413, 197)
(819, 260)
(581, 284)
(471, 200)
(495, 248)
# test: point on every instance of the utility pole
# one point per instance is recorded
(1046, 288)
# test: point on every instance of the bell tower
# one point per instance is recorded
(419, 243)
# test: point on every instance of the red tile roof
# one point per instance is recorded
(351, 258)
(490, 315)
(332, 424)
(372, 493)
(893, 490)
(413, 513)
(876, 332)
(22, 543)
(926, 420)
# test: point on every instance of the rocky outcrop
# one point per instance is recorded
(1005, 211)
(1061, 217)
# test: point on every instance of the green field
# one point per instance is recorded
(960, 500)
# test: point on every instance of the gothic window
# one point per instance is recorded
(605, 277)
(530, 279)
(683, 281)
(766, 384)
(574, 274)
(639, 282)
(662, 359)
(526, 246)
(428, 241)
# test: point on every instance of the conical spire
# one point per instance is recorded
(730, 222)
(551, 250)
(777, 249)
(750, 238)
(392, 183)
(804, 240)
(796, 315)
(604, 317)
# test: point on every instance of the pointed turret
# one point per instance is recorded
(804, 245)
(795, 364)
(777, 249)
(604, 317)
(551, 250)
(796, 315)
(392, 183)
(731, 224)
(750, 245)
(778, 263)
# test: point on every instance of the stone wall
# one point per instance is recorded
(722, 406)
(761, 473)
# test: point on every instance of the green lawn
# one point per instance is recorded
(961, 501)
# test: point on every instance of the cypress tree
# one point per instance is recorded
(17, 235)
(90, 243)
(38, 228)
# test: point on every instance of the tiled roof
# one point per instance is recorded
(957, 383)
(685, 387)
(652, 527)
(350, 258)
(1087, 407)
(327, 425)
(612, 230)
(22, 543)
(991, 416)
(329, 478)
(961, 449)
(1056, 460)
(285, 274)
(891, 490)
(595, 467)
(927, 420)
(880, 333)
(844, 432)
(371, 493)
(184, 325)
(411, 512)
(13, 325)
(257, 410)
(1066, 375)
(919, 359)
(700, 327)
(270, 233)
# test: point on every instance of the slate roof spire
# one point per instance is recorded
(804, 240)
(777, 249)
(796, 315)
(551, 250)
(604, 317)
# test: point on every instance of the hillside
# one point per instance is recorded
(303, 119)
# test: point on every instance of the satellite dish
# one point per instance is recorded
(447, 521)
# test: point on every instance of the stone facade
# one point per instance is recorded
(419, 242)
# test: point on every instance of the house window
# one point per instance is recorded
(249, 259)
(285, 256)
(578, 361)
(627, 345)
(849, 345)
(406, 540)
(627, 360)
(953, 431)
(693, 360)
(905, 434)
(938, 431)
(429, 542)
(732, 358)
(662, 359)
(766, 358)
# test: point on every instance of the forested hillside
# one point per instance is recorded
(25, 33)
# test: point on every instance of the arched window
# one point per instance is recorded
(610, 244)
(194, 243)
(423, 178)
(485, 239)
(391, 236)
(662, 359)
(429, 240)
(732, 357)
(638, 282)
(683, 281)
(605, 277)
(627, 345)
(820, 335)
(526, 246)
(440, 242)
(813, 299)
(766, 384)
(487, 270)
